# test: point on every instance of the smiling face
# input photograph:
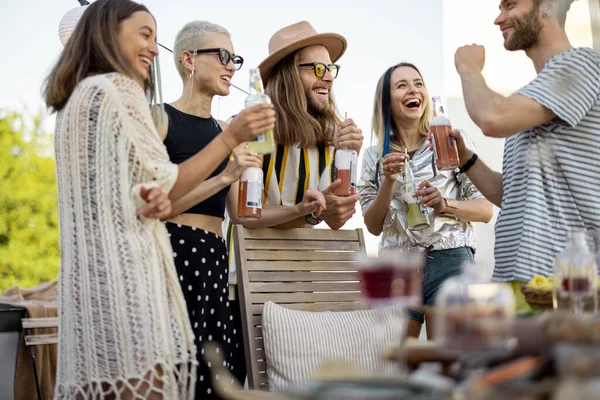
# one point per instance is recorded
(520, 23)
(137, 43)
(408, 94)
(317, 90)
(211, 76)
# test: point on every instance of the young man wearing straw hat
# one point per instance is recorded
(299, 74)
(551, 170)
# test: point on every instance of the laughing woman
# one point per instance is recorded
(454, 199)
(206, 62)
(124, 331)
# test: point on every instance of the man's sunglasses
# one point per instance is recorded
(224, 56)
(320, 69)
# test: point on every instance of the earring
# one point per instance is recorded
(192, 79)
(191, 87)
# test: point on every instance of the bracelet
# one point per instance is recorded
(468, 164)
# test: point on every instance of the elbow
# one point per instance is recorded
(336, 226)
(489, 127)
(374, 232)
(487, 217)
(494, 126)
(373, 228)
(488, 213)
(234, 219)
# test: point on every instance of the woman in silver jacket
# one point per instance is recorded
(454, 200)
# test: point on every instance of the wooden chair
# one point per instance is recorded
(47, 336)
(301, 269)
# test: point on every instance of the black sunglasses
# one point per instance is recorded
(320, 68)
(224, 56)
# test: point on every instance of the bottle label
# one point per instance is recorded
(451, 142)
(261, 138)
(353, 173)
(254, 194)
(422, 208)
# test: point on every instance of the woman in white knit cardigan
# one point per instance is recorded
(124, 331)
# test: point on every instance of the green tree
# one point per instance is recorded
(29, 241)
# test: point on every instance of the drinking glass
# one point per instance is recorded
(390, 285)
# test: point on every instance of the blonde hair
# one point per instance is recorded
(378, 121)
(191, 37)
(294, 124)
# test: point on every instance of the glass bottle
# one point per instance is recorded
(575, 272)
(417, 215)
(250, 193)
(446, 153)
(265, 142)
(345, 163)
(473, 315)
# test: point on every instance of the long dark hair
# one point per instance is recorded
(93, 48)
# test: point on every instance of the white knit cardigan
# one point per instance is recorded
(124, 329)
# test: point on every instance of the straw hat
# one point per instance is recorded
(295, 37)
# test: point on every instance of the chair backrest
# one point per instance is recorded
(301, 269)
(34, 339)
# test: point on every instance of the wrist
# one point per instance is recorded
(468, 164)
(449, 206)
(229, 140)
(299, 210)
(226, 179)
(465, 71)
(465, 157)
(388, 180)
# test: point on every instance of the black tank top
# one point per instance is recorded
(188, 134)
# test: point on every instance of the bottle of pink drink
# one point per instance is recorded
(446, 153)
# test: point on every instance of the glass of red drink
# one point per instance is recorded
(393, 278)
(389, 285)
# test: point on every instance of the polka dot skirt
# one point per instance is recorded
(201, 262)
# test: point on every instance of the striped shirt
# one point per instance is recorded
(551, 173)
(287, 174)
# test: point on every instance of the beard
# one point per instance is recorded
(526, 32)
(316, 108)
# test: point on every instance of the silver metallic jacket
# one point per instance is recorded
(445, 232)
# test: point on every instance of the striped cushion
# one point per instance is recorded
(298, 342)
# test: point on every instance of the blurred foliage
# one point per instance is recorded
(29, 241)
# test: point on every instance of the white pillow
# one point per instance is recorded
(298, 342)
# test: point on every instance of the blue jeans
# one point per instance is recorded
(440, 265)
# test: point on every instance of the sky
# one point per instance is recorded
(380, 33)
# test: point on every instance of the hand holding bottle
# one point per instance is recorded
(347, 141)
(238, 161)
(430, 196)
(464, 153)
(264, 143)
(249, 123)
(348, 136)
